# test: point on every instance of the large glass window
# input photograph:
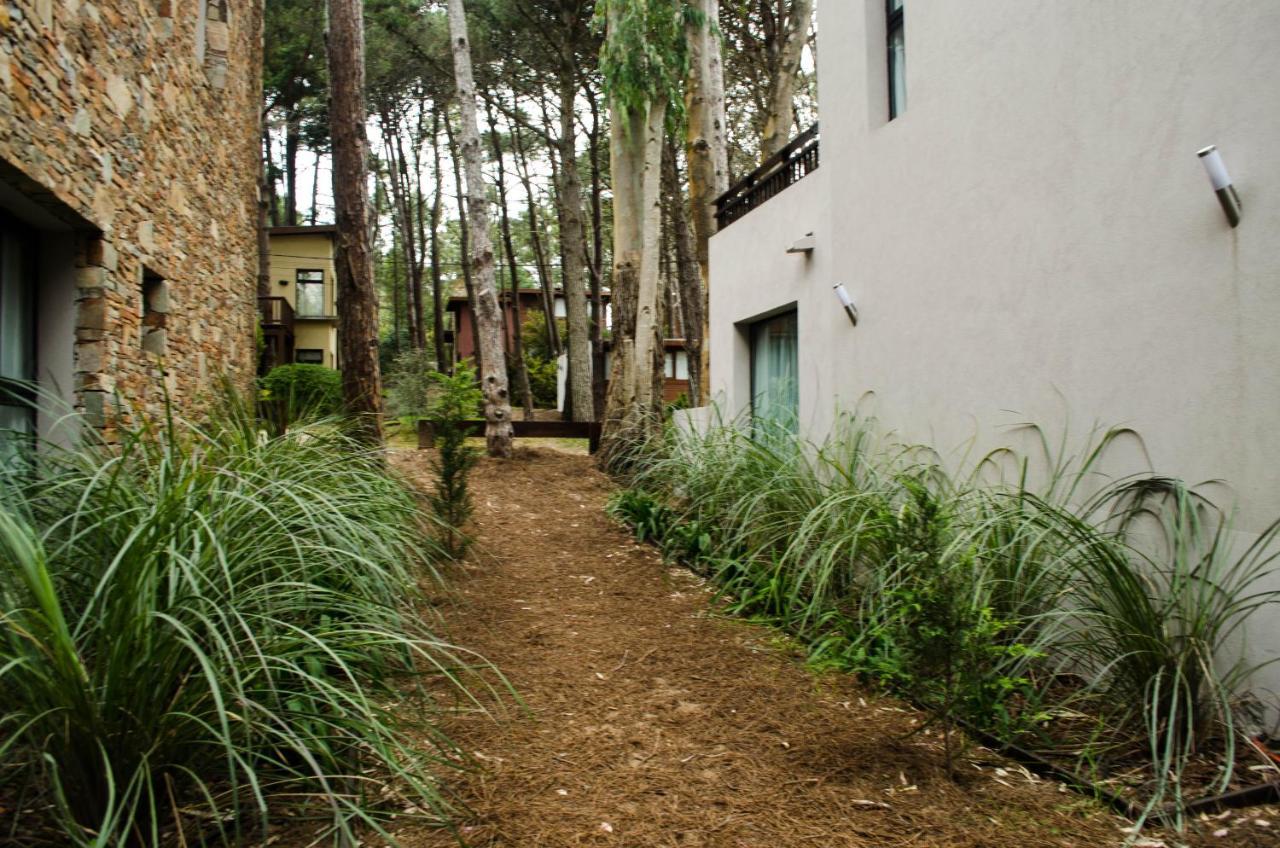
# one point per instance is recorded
(897, 59)
(310, 302)
(17, 331)
(775, 371)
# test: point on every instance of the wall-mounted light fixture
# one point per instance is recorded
(1221, 181)
(847, 303)
(804, 245)
(284, 282)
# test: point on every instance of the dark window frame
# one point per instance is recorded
(894, 26)
(298, 283)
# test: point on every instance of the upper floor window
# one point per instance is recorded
(310, 301)
(897, 59)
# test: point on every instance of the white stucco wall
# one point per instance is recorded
(1034, 238)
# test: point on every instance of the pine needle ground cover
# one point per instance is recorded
(203, 624)
(1099, 623)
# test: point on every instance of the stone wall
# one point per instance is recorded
(135, 122)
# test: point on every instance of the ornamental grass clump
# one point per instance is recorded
(1029, 597)
(202, 622)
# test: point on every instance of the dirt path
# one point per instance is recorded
(654, 723)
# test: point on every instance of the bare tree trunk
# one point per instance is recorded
(358, 317)
(420, 216)
(571, 237)
(707, 152)
(598, 376)
(404, 224)
(465, 241)
(292, 140)
(315, 189)
(780, 109)
(535, 240)
(493, 379)
(689, 279)
(517, 339)
(443, 363)
(633, 409)
(272, 199)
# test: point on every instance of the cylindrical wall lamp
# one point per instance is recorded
(1221, 182)
(847, 303)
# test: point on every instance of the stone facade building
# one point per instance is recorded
(129, 147)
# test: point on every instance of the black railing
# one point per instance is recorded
(789, 165)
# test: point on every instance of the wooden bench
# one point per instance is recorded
(589, 430)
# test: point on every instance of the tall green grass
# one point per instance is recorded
(202, 622)
(1131, 590)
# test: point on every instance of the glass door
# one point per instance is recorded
(775, 372)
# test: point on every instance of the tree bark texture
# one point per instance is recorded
(358, 314)
(633, 410)
(493, 378)
(689, 281)
(517, 308)
(780, 113)
(464, 231)
(437, 295)
(571, 236)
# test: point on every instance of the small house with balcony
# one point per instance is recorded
(300, 316)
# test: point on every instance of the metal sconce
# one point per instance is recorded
(1221, 181)
(847, 303)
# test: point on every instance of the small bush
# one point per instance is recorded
(307, 391)
(456, 399)
(410, 385)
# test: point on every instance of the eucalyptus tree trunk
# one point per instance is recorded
(493, 377)
(358, 318)
(707, 153)
(464, 231)
(634, 403)
(571, 236)
(780, 108)
(517, 308)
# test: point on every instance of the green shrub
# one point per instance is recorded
(456, 399)
(542, 381)
(975, 592)
(307, 391)
(202, 621)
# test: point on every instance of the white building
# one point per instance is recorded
(1030, 236)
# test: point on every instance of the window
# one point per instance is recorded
(310, 356)
(310, 294)
(897, 59)
(677, 365)
(17, 331)
(155, 308)
(775, 371)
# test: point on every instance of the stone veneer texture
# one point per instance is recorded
(137, 121)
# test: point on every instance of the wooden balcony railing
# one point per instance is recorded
(789, 165)
(276, 312)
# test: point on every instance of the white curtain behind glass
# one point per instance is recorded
(775, 371)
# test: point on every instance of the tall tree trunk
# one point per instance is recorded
(571, 237)
(535, 241)
(272, 176)
(464, 237)
(517, 309)
(358, 317)
(315, 189)
(688, 277)
(780, 108)
(493, 379)
(443, 363)
(420, 215)
(707, 152)
(598, 376)
(411, 238)
(634, 405)
(292, 141)
(404, 226)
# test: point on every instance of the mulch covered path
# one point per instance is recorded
(651, 721)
